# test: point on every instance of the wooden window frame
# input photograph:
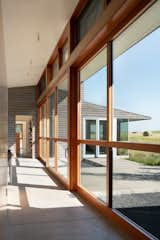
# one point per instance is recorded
(81, 189)
(65, 45)
(117, 16)
(55, 139)
(45, 75)
(73, 21)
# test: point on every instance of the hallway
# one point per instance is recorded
(39, 208)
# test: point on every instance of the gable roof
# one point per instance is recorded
(89, 109)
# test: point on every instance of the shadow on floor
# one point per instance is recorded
(40, 208)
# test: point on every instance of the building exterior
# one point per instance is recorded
(93, 126)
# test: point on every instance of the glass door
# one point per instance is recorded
(90, 134)
(95, 129)
(102, 136)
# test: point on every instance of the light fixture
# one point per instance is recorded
(38, 36)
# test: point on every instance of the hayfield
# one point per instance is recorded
(147, 158)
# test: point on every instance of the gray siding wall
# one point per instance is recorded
(62, 111)
(21, 101)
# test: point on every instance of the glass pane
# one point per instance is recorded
(102, 150)
(122, 129)
(42, 84)
(62, 157)
(136, 187)
(62, 109)
(93, 172)
(88, 17)
(102, 130)
(136, 74)
(93, 92)
(65, 53)
(51, 115)
(43, 148)
(90, 129)
(55, 68)
(90, 150)
(51, 153)
(42, 120)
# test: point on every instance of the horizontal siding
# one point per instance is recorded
(21, 101)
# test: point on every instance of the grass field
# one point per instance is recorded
(147, 158)
(139, 138)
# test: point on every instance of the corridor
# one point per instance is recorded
(39, 208)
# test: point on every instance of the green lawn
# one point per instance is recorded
(147, 158)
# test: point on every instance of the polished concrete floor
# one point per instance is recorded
(39, 208)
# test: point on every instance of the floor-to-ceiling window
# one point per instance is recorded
(93, 130)
(53, 135)
(62, 128)
(136, 77)
(51, 112)
(118, 92)
(43, 131)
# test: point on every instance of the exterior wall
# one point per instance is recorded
(62, 111)
(90, 111)
(3, 134)
(21, 101)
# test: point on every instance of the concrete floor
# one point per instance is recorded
(39, 208)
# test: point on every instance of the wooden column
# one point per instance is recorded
(55, 129)
(38, 132)
(109, 121)
(73, 105)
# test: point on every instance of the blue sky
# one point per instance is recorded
(136, 76)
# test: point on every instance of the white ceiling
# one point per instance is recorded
(23, 21)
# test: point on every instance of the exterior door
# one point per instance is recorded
(90, 134)
(102, 136)
(94, 129)
(17, 144)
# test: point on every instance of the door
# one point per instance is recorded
(17, 144)
(90, 134)
(102, 136)
(94, 129)
(19, 138)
